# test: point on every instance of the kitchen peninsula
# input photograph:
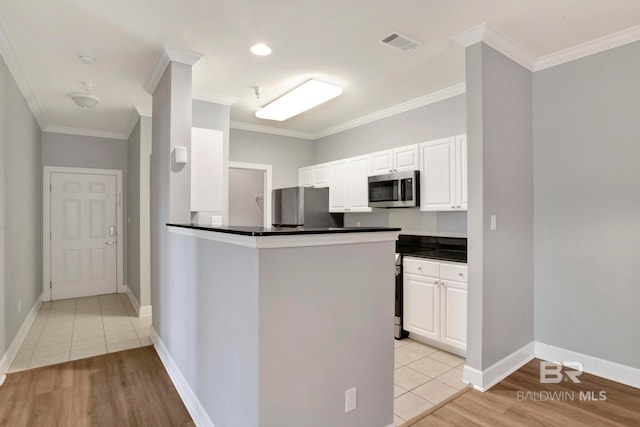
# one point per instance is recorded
(280, 323)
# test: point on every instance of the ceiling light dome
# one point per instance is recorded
(261, 49)
(85, 99)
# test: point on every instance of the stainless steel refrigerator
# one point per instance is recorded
(303, 206)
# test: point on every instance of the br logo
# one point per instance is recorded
(553, 372)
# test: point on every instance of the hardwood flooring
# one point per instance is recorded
(129, 388)
(521, 400)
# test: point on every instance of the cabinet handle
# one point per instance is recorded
(460, 274)
(458, 206)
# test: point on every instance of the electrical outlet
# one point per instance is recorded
(357, 223)
(350, 399)
(216, 220)
(494, 223)
(19, 305)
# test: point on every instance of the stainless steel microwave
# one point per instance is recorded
(395, 190)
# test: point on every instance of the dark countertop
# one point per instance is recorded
(433, 247)
(280, 231)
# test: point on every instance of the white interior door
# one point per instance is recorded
(83, 235)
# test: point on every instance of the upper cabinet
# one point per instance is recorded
(348, 185)
(314, 176)
(206, 170)
(395, 160)
(443, 174)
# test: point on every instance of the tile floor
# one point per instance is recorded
(423, 376)
(81, 327)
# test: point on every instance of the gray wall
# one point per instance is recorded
(244, 186)
(433, 121)
(284, 153)
(326, 326)
(78, 151)
(138, 158)
(438, 120)
(171, 126)
(20, 209)
(587, 205)
(501, 183)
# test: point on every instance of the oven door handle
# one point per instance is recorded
(401, 184)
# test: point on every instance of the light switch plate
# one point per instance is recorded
(494, 222)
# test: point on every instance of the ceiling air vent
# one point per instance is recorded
(400, 42)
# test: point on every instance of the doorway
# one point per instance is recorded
(82, 225)
(250, 194)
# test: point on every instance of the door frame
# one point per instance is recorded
(46, 224)
(268, 170)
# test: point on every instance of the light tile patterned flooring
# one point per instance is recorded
(81, 327)
(423, 377)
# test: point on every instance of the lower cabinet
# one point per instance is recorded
(435, 301)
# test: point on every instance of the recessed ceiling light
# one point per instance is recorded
(261, 49)
(304, 97)
(87, 58)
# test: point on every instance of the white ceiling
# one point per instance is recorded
(333, 40)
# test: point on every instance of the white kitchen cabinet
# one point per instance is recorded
(348, 185)
(435, 301)
(305, 176)
(395, 160)
(320, 174)
(443, 174)
(206, 170)
(453, 309)
(314, 176)
(421, 310)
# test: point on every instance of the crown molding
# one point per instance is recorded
(216, 99)
(8, 52)
(422, 101)
(271, 130)
(85, 132)
(581, 50)
(169, 55)
(142, 111)
(499, 41)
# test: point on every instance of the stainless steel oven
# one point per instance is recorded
(395, 190)
(398, 332)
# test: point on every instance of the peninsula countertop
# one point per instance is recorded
(281, 231)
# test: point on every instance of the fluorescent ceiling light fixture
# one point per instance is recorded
(261, 49)
(304, 97)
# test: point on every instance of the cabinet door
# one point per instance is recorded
(381, 162)
(407, 158)
(461, 173)
(305, 177)
(321, 176)
(437, 185)
(454, 314)
(421, 306)
(338, 186)
(358, 185)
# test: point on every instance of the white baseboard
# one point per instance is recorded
(142, 311)
(603, 368)
(484, 380)
(193, 405)
(10, 354)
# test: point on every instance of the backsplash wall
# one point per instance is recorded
(412, 221)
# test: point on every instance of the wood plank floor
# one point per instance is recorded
(508, 404)
(129, 388)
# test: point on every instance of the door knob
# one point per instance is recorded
(111, 242)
